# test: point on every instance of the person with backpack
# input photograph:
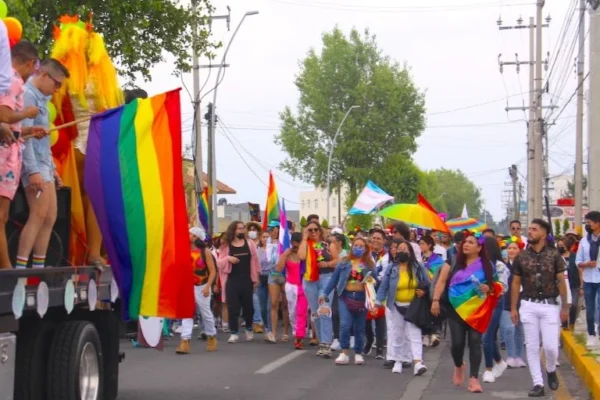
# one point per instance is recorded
(205, 273)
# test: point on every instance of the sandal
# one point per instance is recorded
(285, 338)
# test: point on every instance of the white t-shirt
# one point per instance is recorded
(6, 70)
(441, 251)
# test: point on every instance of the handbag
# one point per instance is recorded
(418, 313)
(354, 306)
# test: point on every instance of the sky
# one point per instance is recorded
(452, 48)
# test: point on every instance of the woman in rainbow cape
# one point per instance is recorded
(433, 263)
(471, 291)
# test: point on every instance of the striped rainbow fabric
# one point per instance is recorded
(134, 178)
(203, 214)
(474, 309)
(272, 206)
(433, 264)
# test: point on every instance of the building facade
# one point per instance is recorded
(315, 202)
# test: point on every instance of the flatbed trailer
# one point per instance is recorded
(60, 355)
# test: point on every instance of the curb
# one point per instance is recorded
(587, 368)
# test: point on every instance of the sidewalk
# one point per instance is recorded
(585, 361)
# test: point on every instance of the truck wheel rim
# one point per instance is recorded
(89, 373)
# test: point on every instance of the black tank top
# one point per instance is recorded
(241, 269)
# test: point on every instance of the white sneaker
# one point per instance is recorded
(359, 359)
(521, 363)
(249, 336)
(591, 341)
(488, 377)
(426, 341)
(499, 368)
(512, 363)
(397, 368)
(420, 369)
(342, 359)
(233, 338)
(335, 346)
(434, 340)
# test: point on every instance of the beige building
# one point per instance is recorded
(314, 202)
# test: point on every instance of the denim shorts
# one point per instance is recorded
(47, 176)
(276, 278)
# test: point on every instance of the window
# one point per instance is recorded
(316, 203)
(308, 204)
(302, 206)
(333, 202)
(334, 220)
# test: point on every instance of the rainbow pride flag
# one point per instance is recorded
(433, 264)
(203, 214)
(134, 178)
(272, 206)
(474, 308)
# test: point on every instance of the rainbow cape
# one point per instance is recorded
(313, 256)
(134, 178)
(272, 206)
(476, 311)
(433, 264)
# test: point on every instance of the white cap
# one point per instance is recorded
(337, 231)
(198, 232)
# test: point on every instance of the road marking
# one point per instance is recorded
(272, 366)
(417, 385)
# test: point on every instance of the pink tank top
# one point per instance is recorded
(292, 272)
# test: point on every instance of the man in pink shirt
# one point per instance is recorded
(24, 62)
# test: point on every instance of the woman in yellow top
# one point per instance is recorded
(400, 283)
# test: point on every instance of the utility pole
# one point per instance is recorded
(532, 106)
(538, 127)
(579, 121)
(512, 171)
(593, 177)
(197, 137)
(211, 204)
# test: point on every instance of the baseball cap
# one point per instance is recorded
(274, 224)
(571, 232)
(337, 231)
(198, 232)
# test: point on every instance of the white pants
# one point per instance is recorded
(291, 295)
(208, 320)
(541, 319)
(404, 342)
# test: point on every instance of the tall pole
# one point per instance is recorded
(213, 180)
(514, 177)
(530, 126)
(579, 121)
(538, 126)
(211, 206)
(594, 116)
(331, 154)
(197, 139)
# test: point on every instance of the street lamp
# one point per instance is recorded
(331, 154)
(213, 120)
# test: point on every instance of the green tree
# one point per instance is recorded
(566, 225)
(571, 187)
(303, 222)
(138, 33)
(350, 70)
(325, 224)
(557, 227)
(454, 190)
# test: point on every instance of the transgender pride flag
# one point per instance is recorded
(371, 197)
(284, 232)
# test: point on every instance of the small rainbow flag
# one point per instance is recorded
(433, 264)
(134, 178)
(284, 232)
(272, 206)
(474, 308)
(203, 214)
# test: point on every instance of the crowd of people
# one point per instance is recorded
(359, 294)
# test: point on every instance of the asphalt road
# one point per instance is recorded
(258, 370)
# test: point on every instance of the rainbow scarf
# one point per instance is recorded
(433, 264)
(314, 254)
(133, 176)
(476, 311)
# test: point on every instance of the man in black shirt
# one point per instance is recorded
(540, 270)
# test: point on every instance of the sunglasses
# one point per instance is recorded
(313, 230)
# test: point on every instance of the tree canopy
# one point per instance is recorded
(451, 190)
(350, 71)
(138, 33)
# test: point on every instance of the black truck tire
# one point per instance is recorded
(76, 345)
(33, 349)
(108, 325)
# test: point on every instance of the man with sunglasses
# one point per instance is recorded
(39, 175)
(540, 270)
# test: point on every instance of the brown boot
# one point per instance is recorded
(257, 328)
(184, 347)
(212, 343)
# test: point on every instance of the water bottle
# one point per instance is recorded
(477, 283)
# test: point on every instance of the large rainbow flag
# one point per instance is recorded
(134, 178)
(474, 308)
(203, 213)
(272, 206)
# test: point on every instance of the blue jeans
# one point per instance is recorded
(352, 321)
(323, 324)
(491, 352)
(514, 336)
(257, 318)
(264, 301)
(590, 294)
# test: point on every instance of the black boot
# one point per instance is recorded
(537, 391)
(553, 380)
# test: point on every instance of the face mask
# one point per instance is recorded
(588, 228)
(402, 256)
(240, 235)
(252, 234)
(562, 250)
(358, 251)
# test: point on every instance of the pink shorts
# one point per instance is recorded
(10, 169)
